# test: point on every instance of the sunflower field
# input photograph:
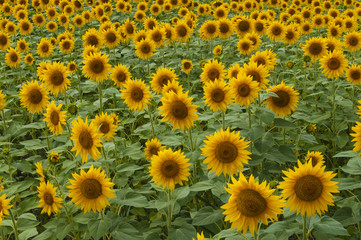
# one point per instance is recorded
(180, 119)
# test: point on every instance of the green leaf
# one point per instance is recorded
(134, 151)
(282, 123)
(133, 199)
(330, 226)
(62, 233)
(202, 186)
(186, 231)
(265, 115)
(98, 227)
(348, 183)
(28, 216)
(28, 234)
(342, 139)
(353, 166)
(265, 144)
(33, 144)
(346, 154)
(206, 216)
(126, 231)
(181, 192)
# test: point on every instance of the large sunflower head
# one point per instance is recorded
(4, 41)
(45, 48)
(157, 35)
(152, 147)
(55, 78)
(259, 73)
(96, 67)
(182, 31)
(266, 58)
(178, 109)
(86, 139)
(161, 78)
(243, 25)
(308, 189)
(136, 94)
(217, 95)
(25, 27)
(245, 46)
(334, 64)
(353, 74)
(91, 190)
(225, 28)
(315, 47)
(105, 125)
(55, 118)
(212, 70)
(120, 75)
(12, 58)
(225, 152)
(243, 89)
(209, 30)
(250, 202)
(48, 199)
(276, 31)
(145, 48)
(22, 45)
(352, 41)
(92, 37)
(33, 96)
(169, 168)
(285, 102)
(233, 71)
(111, 37)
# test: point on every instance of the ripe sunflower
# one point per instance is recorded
(292, 34)
(187, 66)
(276, 31)
(29, 59)
(243, 89)
(66, 45)
(286, 101)
(308, 189)
(4, 41)
(55, 118)
(55, 78)
(178, 110)
(225, 28)
(259, 73)
(91, 190)
(182, 31)
(129, 28)
(145, 48)
(225, 152)
(233, 71)
(315, 158)
(22, 45)
(157, 35)
(48, 199)
(71, 67)
(25, 27)
(45, 49)
(243, 25)
(161, 78)
(334, 31)
(33, 96)
(353, 74)
(105, 125)
(315, 47)
(136, 95)
(263, 58)
(212, 70)
(111, 37)
(86, 139)
(244, 46)
(96, 67)
(249, 203)
(333, 44)
(4, 206)
(12, 58)
(39, 170)
(172, 86)
(169, 168)
(217, 95)
(152, 148)
(352, 41)
(334, 64)
(120, 75)
(92, 37)
(209, 30)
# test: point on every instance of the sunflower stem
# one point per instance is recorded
(304, 236)
(151, 121)
(69, 133)
(190, 139)
(148, 67)
(333, 113)
(100, 98)
(4, 120)
(223, 120)
(170, 210)
(15, 225)
(256, 233)
(249, 122)
(47, 137)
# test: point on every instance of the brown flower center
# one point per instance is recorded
(45, 48)
(169, 168)
(179, 110)
(56, 78)
(308, 188)
(3, 40)
(104, 127)
(333, 64)
(129, 28)
(255, 76)
(226, 152)
(282, 100)
(93, 40)
(154, 151)
(182, 31)
(250, 203)
(14, 57)
(35, 96)
(48, 198)
(121, 76)
(54, 118)
(315, 48)
(290, 35)
(86, 140)
(96, 66)
(243, 90)
(353, 41)
(259, 27)
(243, 25)
(217, 95)
(145, 48)
(25, 26)
(163, 80)
(213, 74)
(91, 188)
(276, 31)
(187, 65)
(157, 37)
(137, 94)
(355, 74)
(245, 46)
(110, 37)
(211, 29)
(224, 28)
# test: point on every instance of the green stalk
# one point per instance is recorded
(250, 122)
(304, 236)
(170, 210)
(15, 225)
(151, 120)
(100, 98)
(3, 115)
(223, 120)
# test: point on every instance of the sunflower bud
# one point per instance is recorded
(306, 58)
(54, 157)
(290, 64)
(273, 183)
(311, 128)
(72, 109)
(6, 151)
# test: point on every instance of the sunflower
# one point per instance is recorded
(48, 199)
(111, 37)
(334, 64)
(136, 94)
(45, 49)
(187, 66)
(199, 237)
(120, 75)
(315, 158)
(169, 168)
(308, 189)
(243, 89)
(2, 100)
(209, 30)
(39, 170)
(105, 125)
(96, 67)
(292, 34)
(276, 31)
(263, 58)
(157, 35)
(172, 86)
(259, 73)
(91, 190)
(333, 44)
(212, 70)
(92, 37)
(152, 148)
(286, 101)
(182, 31)
(315, 47)
(55, 118)
(25, 27)
(4, 206)
(255, 39)
(217, 50)
(353, 74)
(243, 25)
(12, 58)
(54, 157)
(66, 46)
(161, 78)
(178, 110)
(55, 78)
(33, 96)
(217, 95)
(86, 139)
(129, 27)
(334, 31)
(89, 50)
(233, 71)
(145, 48)
(22, 45)
(249, 203)
(225, 152)
(244, 46)
(4, 41)
(225, 28)
(11, 28)
(52, 26)
(71, 67)
(352, 41)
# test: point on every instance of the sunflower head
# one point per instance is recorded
(217, 95)
(334, 64)
(152, 147)
(96, 67)
(33, 96)
(315, 158)
(48, 199)
(136, 94)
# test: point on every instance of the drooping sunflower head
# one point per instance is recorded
(161, 78)
(169, 168)
(334, 64)
(285, 102)
(315, 158)
(212, 70)
(243, 89)
(217, 95)
(120, 75)
(48, 199)
(152, 147)
(308, 189)
(55, 118)
(91, 190)
(105, 125)
(33, 96)
(250, 202)
(96, 67)
(136, 94)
